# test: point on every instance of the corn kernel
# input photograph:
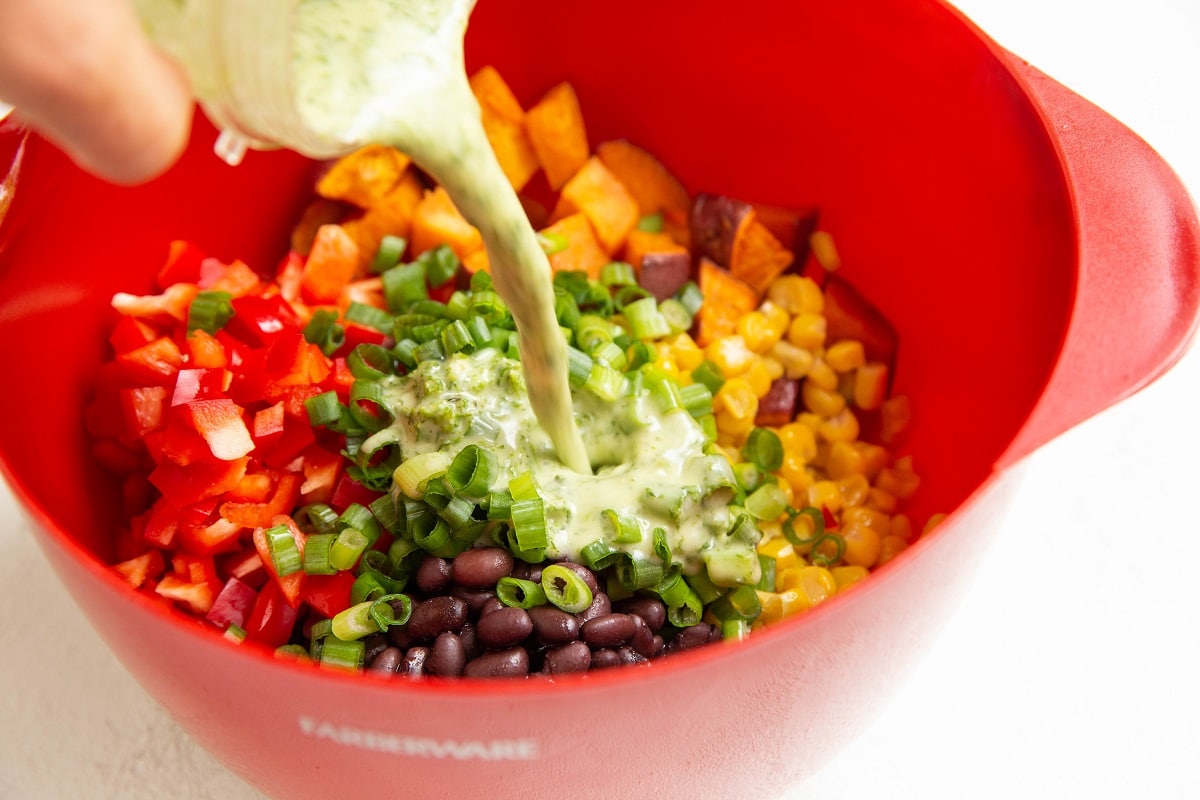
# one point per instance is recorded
(728, 440)
(686, 352)
(777, 318)
(773, 367)
(759, 378)
(793, 602)
(782, 551)
(846, 355)
(880, 500)
(772, 607)
(821, 401)
(933, 522)
(855, 489)
(730, 354)
(821, 374)
(824, 251)
(875, 520)
(863, 545)
(798, 440)
(870, 386)
(895, 416)
(796, 361)
(890, 547)
(901, 525)
(735, 427)
(825, 493)
(795, 471)
(737, 397)
(755, 330)
(841, 427)
(900, 482)
(875, 458)
(844, 460)
(807, 330)
(815, 584)
(846, 576)
(796, 294)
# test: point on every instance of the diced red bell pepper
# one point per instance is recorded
(130, 333)
(153, 364)
(322, 472)
(196, 596)
(331, 264)
(182, 264)
(292, 361)
(328, 594)
(245, 565)
(219, 421)
(236, 278)
(139, 569)
(143, 410)
(271, 620)
(233, 605)
(196, 568)
(200, 384)
(257, 320)
(257, 515)
(187, 484)
(205, 351)
(267, 425)
(349, 491)
(290, 585)
(160, 524)
(206, 539)
(296, 438)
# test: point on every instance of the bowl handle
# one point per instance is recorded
(1138, 292)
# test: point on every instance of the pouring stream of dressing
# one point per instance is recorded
(391, 71)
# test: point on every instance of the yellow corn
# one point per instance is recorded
(733, 429)
(773, 368)
(759, 378)
(795, 471)
(841, 427)
(875, 458)
(898, 480)
(870, 386)
(875, 520)
(797, 295)
(824, 251)
(793, 602)
(756, 331)
(825, 493)
(901, 525)
(821, 401)
(777, 318)
(737, 397)
(772, 608)
(686, 352)
(796, 361)
(782, 551)
(846, 355)
(890, 547)
(880, 500)
(807, 330)
(815, 584)
(730, 354)
(855, 489)
(933, 522)
(895, 414)
(798, 440)
(846, 576)
(821, 374)
(863, 545)
(844, 459)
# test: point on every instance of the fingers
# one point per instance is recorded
(85, 76)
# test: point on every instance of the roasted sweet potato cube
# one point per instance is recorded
(437, 221)
(557, 133)
(638, 244)
(663, 274)
(716, 220)
(653, 187)
(850, 315)
(758, 258)
(791, 227)
(581, 251)
(778, 406)
(504, 123)
(607, 204)
(726, 300)
(364, 176)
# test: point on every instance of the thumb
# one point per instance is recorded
(86, 77)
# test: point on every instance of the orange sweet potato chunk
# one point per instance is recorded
(608, 205)
(726, 300)
(364, 176)
(392, 215)
(559, 138)
(504, 123)
(638, 244)
(758, 258)
(330, 265)
(653, 187)
(582, 252)
(436, 221)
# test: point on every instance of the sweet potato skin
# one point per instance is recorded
(664, 274)
(715, 221)
(850, 315)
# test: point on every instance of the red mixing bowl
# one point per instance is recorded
(1038, 259)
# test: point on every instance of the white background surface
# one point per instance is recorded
(1072, 670)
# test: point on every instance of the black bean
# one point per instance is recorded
(692, 636)
(434, 575)
(447, 657)
(605, 658)
(642, 640)
(527, 572)
(552, 625)
(511, 663)
(387, 662)
(660, 646)
(629, 656)
(436, 615)
(503, 628)
(470, 641)
(413, 664)
(650, 609)
(474, 598)
(600, 606)
(573, 657)
(399, 636)
(492, 604)
(588, 576)
(373, 645)
(481, 567)
(609, 630)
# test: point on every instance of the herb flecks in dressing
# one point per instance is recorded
(392, 71)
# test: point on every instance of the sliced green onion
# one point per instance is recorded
(767, 502)
(431, 532)
(651, 223)
(347, 548)
(684, 608)
(235, 634)
(324, 331)
(579, 367)
(456, 337)
(318, 517)
(764, 448)
(704, 588)
(403, 285)
(355, 622)
(292, 651)
(677, 317)
(625, 529)
(599, 554)
(565, 589)
(662, 387)
(617, 273)
(209, 311)
(645, 320)
(610, 353)
(748, 475)
(605, 382)
(591, 331)
(391, 250)
(405, 352)
(815, 517)
(729, 566)
(481, 332)
(369, 316)
(524, 487)
(413, 475)
(821, 559)
(691, 297)
(431, 350)
(470, 473)
(388, 512)
(553, 242)
(368, 406)
(629, 294)
(459, 514)
(285, 553)
(342, 654)
(740, 603)
(529, 525)
(316, 554)
(639, 354)
(636, 573)
(735, 630)
(370, 362)
(520, 593)
(500, 505)
(441, 264)
(323, 409)
(383, 610)
(662, 548)
(767, 566)
(368, 586)
(710, 375)
(359, 517)
(697, 399)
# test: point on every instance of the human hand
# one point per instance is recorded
(83, 74)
